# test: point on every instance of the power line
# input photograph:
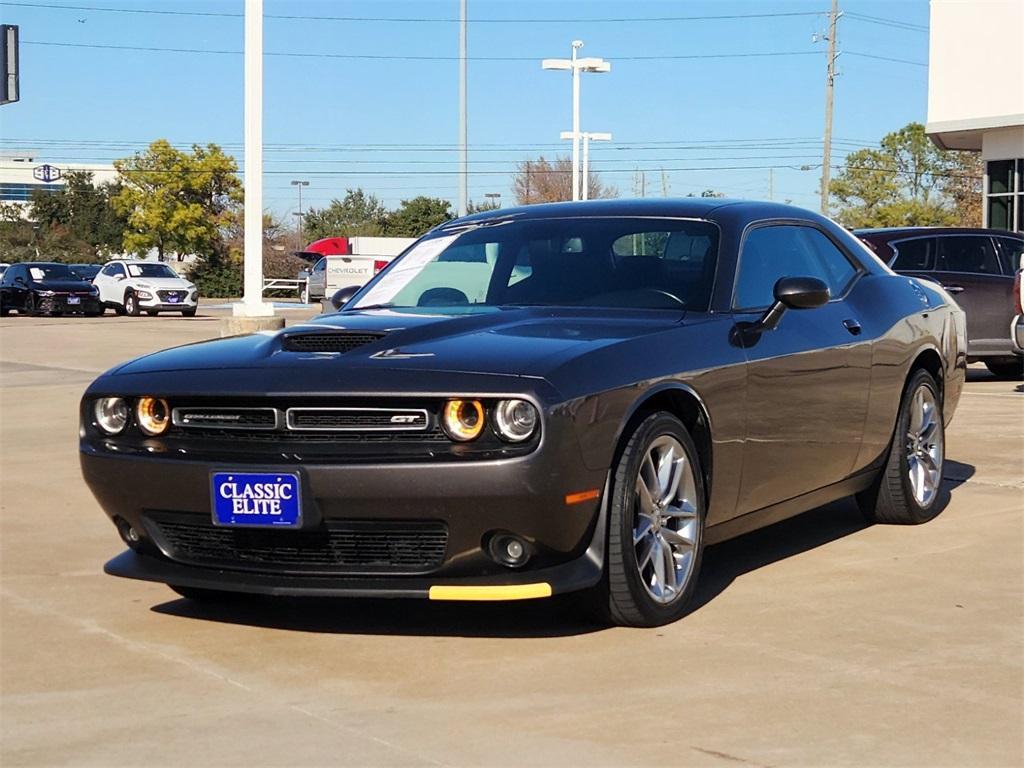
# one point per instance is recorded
(414, 20)
(408, 57)
(880, 20)
(886, 58)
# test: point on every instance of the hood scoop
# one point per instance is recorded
(328, 341)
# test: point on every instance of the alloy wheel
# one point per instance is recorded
(665, 525)
(924, 447)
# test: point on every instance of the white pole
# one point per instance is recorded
(463, 121)
(576, 45)
(586, 166)
(252, 302)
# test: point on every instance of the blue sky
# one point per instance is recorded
(322, 114)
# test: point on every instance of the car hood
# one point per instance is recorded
(79, 286)
(163, 283)
(526, 342)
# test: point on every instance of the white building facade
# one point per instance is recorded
(976, 96)
(24, 172)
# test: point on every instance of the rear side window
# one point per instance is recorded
(917, 255)
(773, 252)
(967, 253)
(1012, 249)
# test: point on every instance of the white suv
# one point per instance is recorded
(131, 287)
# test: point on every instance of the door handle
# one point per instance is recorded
(954, 288)
(852, 326)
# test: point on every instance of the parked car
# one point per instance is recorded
(131, 287)
(977, 266)
(3, 267)
(46, 288)
(86, 271)
(620, 384)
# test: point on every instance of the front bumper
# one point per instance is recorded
(50, 305)
(525, 496)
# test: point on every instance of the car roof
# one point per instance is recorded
(903, 231)
(681, 207)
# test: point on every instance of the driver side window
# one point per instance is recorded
(773, 252)
(320, 265)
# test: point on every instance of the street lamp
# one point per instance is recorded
(300, 184)
(588, 136)
(576, 65)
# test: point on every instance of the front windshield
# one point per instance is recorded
(151, 270)
(636, 263)
(43, 272)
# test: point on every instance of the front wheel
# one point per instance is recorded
(656, 525)
(131, 305)
(907, 490)
(188, 312)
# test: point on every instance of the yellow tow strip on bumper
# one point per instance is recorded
(510, 592)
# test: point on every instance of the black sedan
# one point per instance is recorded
(564, 397)
(46, 288)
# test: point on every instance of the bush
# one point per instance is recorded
(217, 276)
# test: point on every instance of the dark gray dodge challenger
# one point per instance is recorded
(530, 401)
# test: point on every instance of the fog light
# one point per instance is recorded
(509, 550)
(128, 534)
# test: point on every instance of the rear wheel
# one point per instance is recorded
(656, 525)
(1006, 369)
(188, 312)
(907, 491)
(131, 305)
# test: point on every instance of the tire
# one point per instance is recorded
(188, 312)
(638, 595)
(4, 309)
(152, 312)
(131, 305)
(894, 497)
(30, 305)
(211, 596)
(118, 310)
(1006, 369)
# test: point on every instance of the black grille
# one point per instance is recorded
(225, 418)
(331, 341)
(337, 546)
(355, 419)
(166, 295)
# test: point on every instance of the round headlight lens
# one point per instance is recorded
(515, 420)
(463, 419)
(152, 415)
(111, 414)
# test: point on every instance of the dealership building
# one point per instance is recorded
(23, 172)
(976, 96)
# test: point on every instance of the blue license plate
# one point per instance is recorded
(74, 300)
(256, 499)
(173, 299)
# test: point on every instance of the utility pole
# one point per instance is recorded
(830, 77)
(664, 183)
(300, 184)
(463, 121)
(576, 65)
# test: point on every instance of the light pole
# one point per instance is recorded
(300, 184)
(463, 117)
(576, 65)
(587, 136)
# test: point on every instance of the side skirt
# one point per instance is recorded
(765, 516)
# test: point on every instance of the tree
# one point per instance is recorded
(486, 205)
(416, 216)
(219, 273)
(964, 188)
(79, 219)
(177, 201)
(358, 214)
(907, 181)
(544, 181)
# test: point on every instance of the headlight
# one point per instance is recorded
(515, 420)
(144, 295)
(46, 294)
(152, 415)
(111, 414)
(463, 419)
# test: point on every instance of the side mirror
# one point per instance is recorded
(342, 295)
(119, 277)
(792, 293)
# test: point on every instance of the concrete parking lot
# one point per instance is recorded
(819, 641)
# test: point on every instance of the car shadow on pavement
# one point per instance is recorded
(560, 616)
